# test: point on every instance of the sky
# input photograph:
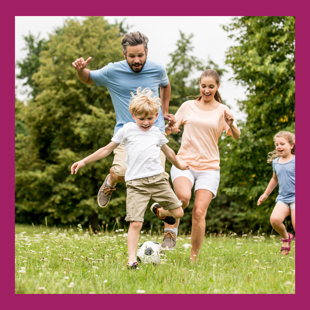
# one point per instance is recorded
(209, 41)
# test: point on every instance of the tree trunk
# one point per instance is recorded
(94, 222)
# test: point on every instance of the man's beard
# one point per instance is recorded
(132, 67)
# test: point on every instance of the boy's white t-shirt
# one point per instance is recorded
(142, 150)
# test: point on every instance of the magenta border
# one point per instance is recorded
(157, 8)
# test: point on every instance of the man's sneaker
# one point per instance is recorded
(169, 241)
(131, 265)
(105, 193)
(167, 219)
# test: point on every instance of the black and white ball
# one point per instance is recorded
(148, 252)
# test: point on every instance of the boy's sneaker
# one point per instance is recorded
(167, 219)
(131, 265)
(169, 241)
(105, 193)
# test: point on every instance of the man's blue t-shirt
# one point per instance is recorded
(286, 177)
(120, 80)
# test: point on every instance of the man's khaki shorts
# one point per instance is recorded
(140, 191)
(119, 166)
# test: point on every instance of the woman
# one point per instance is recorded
(204, 120)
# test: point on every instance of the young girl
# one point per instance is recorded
(283, 163)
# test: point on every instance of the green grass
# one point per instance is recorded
(54, 258)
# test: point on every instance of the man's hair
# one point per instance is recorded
(144, 102)
(134, 39)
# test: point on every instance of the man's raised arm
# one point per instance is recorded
(83, 74)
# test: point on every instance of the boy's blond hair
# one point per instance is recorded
(289, 137)
(144, 102)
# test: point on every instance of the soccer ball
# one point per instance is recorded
(148, 252)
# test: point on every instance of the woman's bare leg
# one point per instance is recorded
(201, 204)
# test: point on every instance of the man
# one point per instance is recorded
(121, 78)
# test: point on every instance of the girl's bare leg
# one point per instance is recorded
(133, 240)
(201, 204)
(279, 213)
(293, 218)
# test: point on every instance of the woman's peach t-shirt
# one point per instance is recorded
(202, 130)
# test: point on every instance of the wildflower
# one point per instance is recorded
(41, 288)
(92, 293)
(280, 271)
(67, 259)
(66, 278)
(256, 260)
(47, 247)
(244, 235)
(95, 267)
(22, 271)
(186, 246)
(140, 292)
(288, 283)
(105, 281)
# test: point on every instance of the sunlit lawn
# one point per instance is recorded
(58, 261)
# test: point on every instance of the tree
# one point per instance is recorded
(264, 62)
(66, 121)
(31, 63)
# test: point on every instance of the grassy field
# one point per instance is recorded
(73, 261)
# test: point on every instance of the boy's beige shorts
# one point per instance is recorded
(119, 166)
(140, 191)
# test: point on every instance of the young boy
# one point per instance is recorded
(144, 175)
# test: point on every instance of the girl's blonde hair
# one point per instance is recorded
(144, 102)
(290, 137)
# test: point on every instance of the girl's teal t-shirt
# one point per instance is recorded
(286, 176)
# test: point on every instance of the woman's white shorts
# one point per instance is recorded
(208, 179)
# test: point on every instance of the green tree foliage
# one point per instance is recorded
(31, 63)
(263, 61)
(66, 121)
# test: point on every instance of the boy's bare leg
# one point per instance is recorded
(133, 240)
